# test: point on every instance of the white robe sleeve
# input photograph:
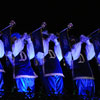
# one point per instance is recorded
(9, 55)
(98, 58)
(76, 50)
(68, 59)
(73, 54)
(1, 49)
(17, 47)
(40, 55)
(58, 52)
(30, 50)
(90, 52)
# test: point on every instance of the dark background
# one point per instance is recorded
(29, 15)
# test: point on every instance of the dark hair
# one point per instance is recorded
(45, 36)
(73, 39)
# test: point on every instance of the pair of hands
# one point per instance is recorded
(26, 37)
(53, 38)
(84, 39)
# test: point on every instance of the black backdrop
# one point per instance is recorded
(29, 15)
